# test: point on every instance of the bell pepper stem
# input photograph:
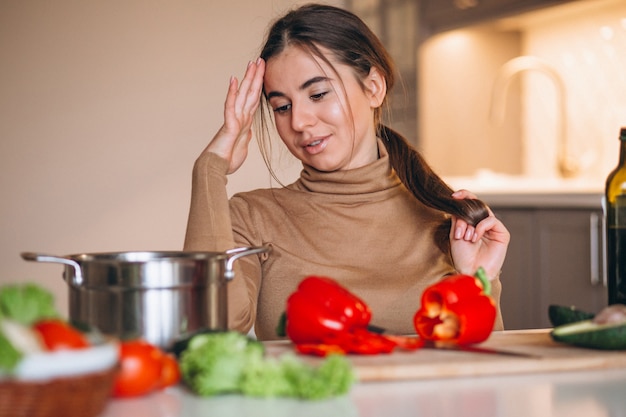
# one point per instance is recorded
(484, 280)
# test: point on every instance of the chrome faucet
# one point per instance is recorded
(567, 165)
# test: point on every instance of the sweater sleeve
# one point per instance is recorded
(209, 228)
(209, 225)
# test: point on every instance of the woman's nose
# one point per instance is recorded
(301, 117)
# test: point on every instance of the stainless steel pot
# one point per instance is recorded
(157, 296)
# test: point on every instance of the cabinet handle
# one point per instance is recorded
(605, 278)
(595, 235)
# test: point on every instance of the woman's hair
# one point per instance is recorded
(352, 43)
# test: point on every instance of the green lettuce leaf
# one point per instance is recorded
(26, 303)
(230, 362)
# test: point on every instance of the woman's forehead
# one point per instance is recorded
(300, 63)
(314, 55)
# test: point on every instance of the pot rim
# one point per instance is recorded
(144, 256)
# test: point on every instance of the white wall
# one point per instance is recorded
(104, 107)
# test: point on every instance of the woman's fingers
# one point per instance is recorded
(461, 230)
(242, 101)
(229, 105)
(489, 227)
(482, 245)
(249, 92)
(243, 98)
(256, 86)
(461, 194)
(466, 231)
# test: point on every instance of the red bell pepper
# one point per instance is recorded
(322, 317)
(321, 310)
(319, 349)
(457, 309)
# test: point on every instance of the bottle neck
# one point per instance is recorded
(622, 153)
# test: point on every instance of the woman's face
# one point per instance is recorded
(324, 116)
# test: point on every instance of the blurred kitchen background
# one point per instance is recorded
(509, 87)
(104, 107)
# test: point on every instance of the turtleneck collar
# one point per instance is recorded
(373, 177)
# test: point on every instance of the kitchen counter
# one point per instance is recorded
(544, 200)
(571, 394)
(596, 392)
(527, 192)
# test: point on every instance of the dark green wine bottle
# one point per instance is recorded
(615, 196)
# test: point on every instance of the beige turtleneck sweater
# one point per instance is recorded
(361, 227)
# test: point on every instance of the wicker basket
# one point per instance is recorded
(76, 396)
(63, 383)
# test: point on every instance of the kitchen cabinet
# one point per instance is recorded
(440, 15)
(554, 257)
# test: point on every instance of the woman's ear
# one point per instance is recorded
(376, 87)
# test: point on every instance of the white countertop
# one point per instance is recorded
(567, 394)
(500, 190)
(587, 200)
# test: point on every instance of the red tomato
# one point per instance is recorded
(170, 372)
(140, 369)
(57, 334)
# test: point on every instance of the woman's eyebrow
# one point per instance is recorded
(304, 85)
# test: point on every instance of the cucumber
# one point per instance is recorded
(560, 315)
(592, 335)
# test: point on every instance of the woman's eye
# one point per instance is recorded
(318, 96)
(282, 109)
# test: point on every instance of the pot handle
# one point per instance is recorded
(234, 254)
(40, 257)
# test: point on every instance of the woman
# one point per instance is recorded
(366, 210)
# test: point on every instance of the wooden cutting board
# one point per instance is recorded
(547, 356)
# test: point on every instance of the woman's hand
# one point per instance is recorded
(484, 245)
(242, 100)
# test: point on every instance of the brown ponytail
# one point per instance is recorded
(423, 183)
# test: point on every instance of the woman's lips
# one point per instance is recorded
(316, 146)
